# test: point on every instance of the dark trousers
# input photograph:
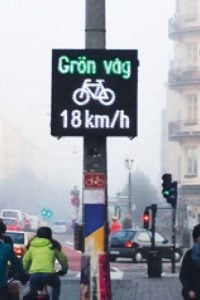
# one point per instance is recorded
(39, 280)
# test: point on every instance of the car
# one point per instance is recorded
(20, 240)
(12, 224)
(136, 243)
(59, 227)
(16, 214)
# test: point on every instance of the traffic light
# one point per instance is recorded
(78, 237)
(146, 218)
(169, 189)
(94, 159)
(46, 213)
(172, 199)
(166, 185)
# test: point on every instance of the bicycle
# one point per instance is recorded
(42, 292)
(93, 90)
(12, 291)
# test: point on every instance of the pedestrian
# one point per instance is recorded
(116, 225)
(127, 222)
(39, 262)
(5, 237)
(7, 255)
(190, 269)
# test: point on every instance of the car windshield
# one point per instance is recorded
(17, 237)
(123, 235)
(10, 214)
(158, 238)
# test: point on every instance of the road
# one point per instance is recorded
(121, 269)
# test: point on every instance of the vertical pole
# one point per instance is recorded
(129, 194)
(95, 224)
(173, 238)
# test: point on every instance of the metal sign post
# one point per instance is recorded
(94, 95)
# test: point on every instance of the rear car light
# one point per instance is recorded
(128, 244)
(19, 251)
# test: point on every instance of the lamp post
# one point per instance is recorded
(129, 167)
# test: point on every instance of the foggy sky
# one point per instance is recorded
(29, 29)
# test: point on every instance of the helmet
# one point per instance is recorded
(196, 232)
(44, 232)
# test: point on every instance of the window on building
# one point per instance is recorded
(191, 9)
(177, 6)
(191, 161)
(190, 57)
(192, 109)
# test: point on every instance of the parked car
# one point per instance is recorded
(59, 226)
(136, 243)
(12, 224)
(21, 217)
(20, 240)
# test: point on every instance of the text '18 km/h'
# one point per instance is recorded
(84, 119)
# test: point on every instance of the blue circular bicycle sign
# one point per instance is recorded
(94, 92)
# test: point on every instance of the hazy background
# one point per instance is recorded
(29, 29)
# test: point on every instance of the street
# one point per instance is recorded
(128, 280)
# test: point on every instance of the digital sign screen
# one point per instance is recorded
(94, 91)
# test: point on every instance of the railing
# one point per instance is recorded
(184, 129)
(184, 23)
(183, 76)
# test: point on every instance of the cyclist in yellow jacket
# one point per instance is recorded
(39, 262)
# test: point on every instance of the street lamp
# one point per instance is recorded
(129, 167)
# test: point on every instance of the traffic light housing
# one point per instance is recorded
(146, 218)
(166, 185)
(169, 189)
(172, 199)
(78, 237)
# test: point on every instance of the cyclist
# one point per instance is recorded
(8, 256)
(39, 262)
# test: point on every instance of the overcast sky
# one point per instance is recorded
(29, 29)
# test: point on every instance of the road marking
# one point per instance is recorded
(114, 274)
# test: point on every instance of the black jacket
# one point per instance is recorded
(190, 275)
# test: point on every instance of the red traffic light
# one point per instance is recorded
(146, 218)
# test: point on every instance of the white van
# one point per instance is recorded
(12, 213)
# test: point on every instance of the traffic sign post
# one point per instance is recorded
(94, 95)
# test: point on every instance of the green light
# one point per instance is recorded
(166, 193)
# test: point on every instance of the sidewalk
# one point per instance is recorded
(141, 288)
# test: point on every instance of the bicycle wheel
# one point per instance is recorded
(80, 97)
(107, 97)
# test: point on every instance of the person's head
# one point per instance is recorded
(196, 233)
(114, 218)
(2, 227)
(44, 232)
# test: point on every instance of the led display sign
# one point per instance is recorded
(94, 92)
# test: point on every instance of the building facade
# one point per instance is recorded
(181, 119)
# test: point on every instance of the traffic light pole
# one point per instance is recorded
(173, 238)
(95, 221)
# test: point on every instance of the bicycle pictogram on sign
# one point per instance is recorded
(94, 180)
(93, 91)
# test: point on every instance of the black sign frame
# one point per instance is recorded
(94, 91)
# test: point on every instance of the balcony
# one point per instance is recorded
(178, 130)
(179, 77)
(183, 24)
